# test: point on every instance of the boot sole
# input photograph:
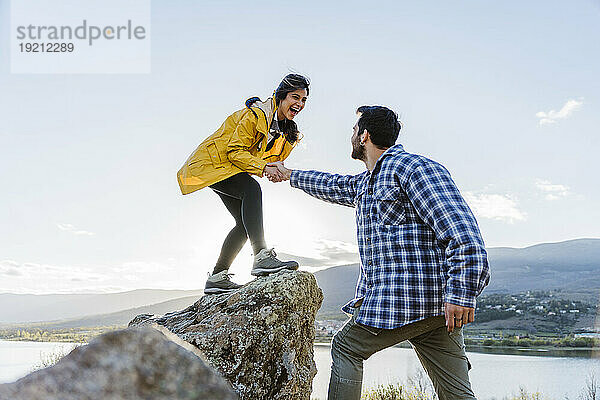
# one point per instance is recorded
(267, 271)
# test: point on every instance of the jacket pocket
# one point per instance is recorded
(389, 203)
(214, 155)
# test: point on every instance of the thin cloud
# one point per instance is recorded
(9, 263)
(42, 278)
(552, 116)
(329, 253)
(12, 272)
(9, 268)
(31, 277)
(552, 191)
(499, 207)
(70, 228)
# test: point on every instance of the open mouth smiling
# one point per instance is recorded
(294, 110)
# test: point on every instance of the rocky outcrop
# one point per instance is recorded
(260, 338)
(138, 363)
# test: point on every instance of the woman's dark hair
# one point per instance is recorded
(290, 83)
(381, 123)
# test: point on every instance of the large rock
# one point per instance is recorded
(260, 337)
(139, 363)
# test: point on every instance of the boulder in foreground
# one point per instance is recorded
(138, 363)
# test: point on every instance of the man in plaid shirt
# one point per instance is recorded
(423, 261)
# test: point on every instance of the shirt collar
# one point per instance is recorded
(395, 149)
(392, 151)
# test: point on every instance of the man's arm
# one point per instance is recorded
(337, 189)
(440, 205)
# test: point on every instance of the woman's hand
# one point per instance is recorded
(272, 172)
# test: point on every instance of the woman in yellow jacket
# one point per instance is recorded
(248, 140)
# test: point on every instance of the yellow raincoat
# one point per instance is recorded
(237, 146)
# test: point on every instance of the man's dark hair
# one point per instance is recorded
(382, 124)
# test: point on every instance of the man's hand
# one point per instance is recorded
(285, 172)
(457, 316)
(273, 173)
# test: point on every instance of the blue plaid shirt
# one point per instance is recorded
(419, 242)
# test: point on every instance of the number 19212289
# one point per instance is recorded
(47, 47)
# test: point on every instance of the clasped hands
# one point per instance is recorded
(277, 172)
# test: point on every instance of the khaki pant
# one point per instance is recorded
(441, 353)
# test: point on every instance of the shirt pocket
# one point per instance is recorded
(360, 202)
(389, 205)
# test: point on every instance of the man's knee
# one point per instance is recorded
(346, 366)
(342, 348)
(335, 345)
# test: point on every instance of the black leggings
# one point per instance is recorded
(242, 196)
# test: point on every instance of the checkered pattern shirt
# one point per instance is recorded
(419, 242)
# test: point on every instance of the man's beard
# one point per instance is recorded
(358, 151)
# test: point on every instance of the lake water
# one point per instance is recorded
(17, 359)
(494, 376)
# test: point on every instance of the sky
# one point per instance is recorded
(504, 94)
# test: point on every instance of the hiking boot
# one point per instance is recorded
(220, 283)
(266, 262)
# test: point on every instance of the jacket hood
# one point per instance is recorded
(264, 111)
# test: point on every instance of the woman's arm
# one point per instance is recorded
(238, 148)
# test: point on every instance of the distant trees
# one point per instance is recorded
(572, 342)
(493, 315)
(39, 334)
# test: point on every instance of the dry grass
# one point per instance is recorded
(48, 359)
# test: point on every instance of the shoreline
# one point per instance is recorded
(577, 352)
(508, 350)
(39, 341)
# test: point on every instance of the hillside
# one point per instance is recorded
(115, 318)
(572, 266)
(30, 308)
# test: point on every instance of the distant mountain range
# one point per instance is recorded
(573, 266)
(30, 307)
(116, 318)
